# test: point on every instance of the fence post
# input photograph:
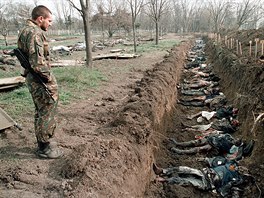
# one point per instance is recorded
(237, 48)
(256, 47)
(262, 45)
(250, 48)
(240, 46)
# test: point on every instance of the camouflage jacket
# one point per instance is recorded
(33, 43)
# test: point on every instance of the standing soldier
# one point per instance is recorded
(33, 43)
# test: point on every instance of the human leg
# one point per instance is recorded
(198, 183)
(45, 110)
(192, 143)
(189, 176)
(191, 103)
(194, 115)
(194, 150)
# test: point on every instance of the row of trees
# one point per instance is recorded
(189, 15)
(171, 15)
(110, 16)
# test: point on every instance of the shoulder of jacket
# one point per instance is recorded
(32, 30)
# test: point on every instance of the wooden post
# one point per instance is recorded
(240, 47)
(237, 48)
(226, 40)
(256, 47)
(231, 44)
(262, 46)
(250, 48)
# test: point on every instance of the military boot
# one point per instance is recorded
(49, 150)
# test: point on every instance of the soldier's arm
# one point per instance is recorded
(37, 59)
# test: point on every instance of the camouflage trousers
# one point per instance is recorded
(45, 110)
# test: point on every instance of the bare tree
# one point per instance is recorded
(99, 18)
(112, 17)
(103, 17)
(85, 13)
(156, 8)
(58, 7)
(187, 12)
(246, 10)
(64, 13)
(197, 17)
(4, 29)
(176, 11)
(11, 16)
(218, 11)
(135, 8)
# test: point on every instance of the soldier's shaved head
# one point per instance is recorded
(40, 11)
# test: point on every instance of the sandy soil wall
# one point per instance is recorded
(148, 114)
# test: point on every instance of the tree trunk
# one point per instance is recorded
(87, 33)
(103, 31)
(157, 32)
(5, 38)
(134, 35)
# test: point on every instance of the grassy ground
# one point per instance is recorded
(73, 83)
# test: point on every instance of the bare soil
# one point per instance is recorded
(111, 139)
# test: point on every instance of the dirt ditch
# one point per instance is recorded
(243, 86)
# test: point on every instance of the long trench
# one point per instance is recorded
(174, 120)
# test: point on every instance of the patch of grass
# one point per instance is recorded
(17, 102)
(151, 46)
(73, 83)
(9, 47)
(10, 73)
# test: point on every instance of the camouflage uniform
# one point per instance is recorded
(33, 43)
